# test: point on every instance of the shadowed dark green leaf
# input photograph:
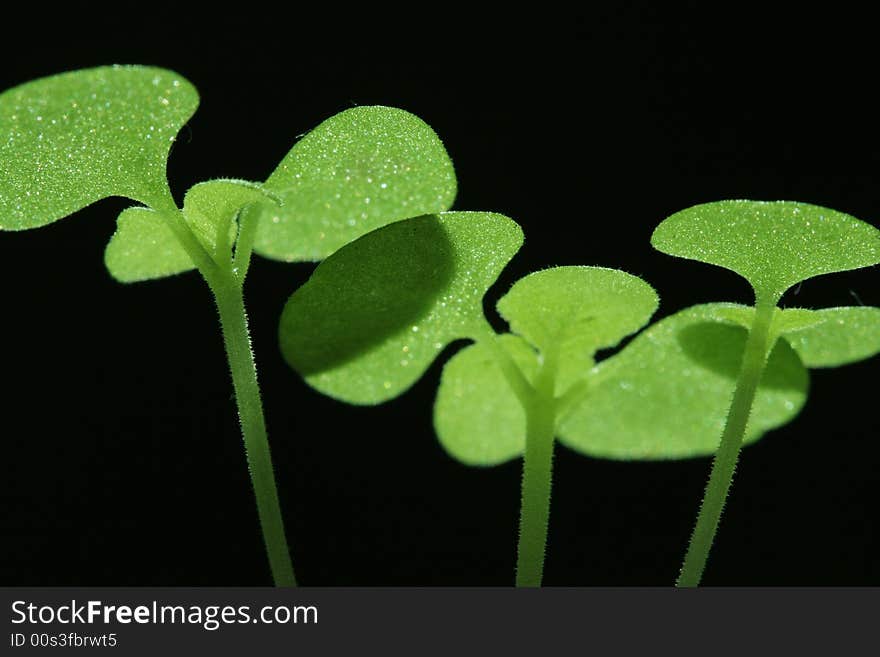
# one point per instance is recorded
(667, 393)
(576, 311)
(144, 248)
(377, 312)
(774, 245)
(477, 417)
(69, 140)
(357, 171)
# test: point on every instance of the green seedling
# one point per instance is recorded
(69, 140)
(774, 245)
(376, 313)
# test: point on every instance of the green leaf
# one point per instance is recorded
(69, 140)
(478, 418)
(787, 320)
(375, 314)
(210, 209)
(844, 335)
(570, 311)
(144, 248)
(575, 311)
(791, 319)
(357, 171)
(667, 393)
(822, 338)
(774, 245)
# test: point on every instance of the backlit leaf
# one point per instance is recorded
(143, 248)
(211, 206)
(478, 418)
(845, 335)
(822, 338)
(789, 319)
(576, 311)
(375, 314)
(69, 140)
(357, 171)
(667, 393)
(774, 245)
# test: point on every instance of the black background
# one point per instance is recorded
(122, 460)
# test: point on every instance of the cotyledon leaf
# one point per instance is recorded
(844, 335)
(210, 207)
(667, 393)
(144, 247)
(376, 313)
(572, 311)
(576, 311)
(478, 419)
(774, 245)
(784, 320)
(69, 140)
(822, 338)
(357, 171)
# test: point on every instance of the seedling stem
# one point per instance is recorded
(537, 475)
(724, 464)
(227, 289)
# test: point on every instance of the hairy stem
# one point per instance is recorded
(752, 367)
(226, 281)
(233, 319)
(537, 477)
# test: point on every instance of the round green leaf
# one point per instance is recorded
(774, 245)
(842, 336)
(144, 248)
(211, 207)
(478, 418)
(376, 313)
(357, 171)
(822, 338)
(667, 393)
(577, 311)
(69, 140)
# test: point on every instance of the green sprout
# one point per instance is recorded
(773, 245)
(403, 278)
(69, 140)
(376, 314)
